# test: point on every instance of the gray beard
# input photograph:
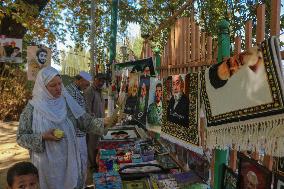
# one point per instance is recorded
(177, 96)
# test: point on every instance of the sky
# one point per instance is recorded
(133, 31)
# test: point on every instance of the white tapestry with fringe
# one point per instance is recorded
(243, 100)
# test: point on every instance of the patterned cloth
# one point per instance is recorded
(32, 141)
(184, 135)
(245, 105)
(154, 115)
(76, 93)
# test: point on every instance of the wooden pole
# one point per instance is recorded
(203, 47)
(192, 42)
(197, 43)
(172, 46)
(275, 17)
(248, 34)
(237, 45)
(209, 50)
(187, 40)
(260, 27)
(170, 20)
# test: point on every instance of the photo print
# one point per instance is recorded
(155, 104)
(143, 97)
(132, 93)
(120, 134)
(37, 58)
(10, 49)
(252, 174)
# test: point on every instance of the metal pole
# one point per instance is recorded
(157, 59)
(112, 46)
(223, 51)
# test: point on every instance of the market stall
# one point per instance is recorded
(130, 158)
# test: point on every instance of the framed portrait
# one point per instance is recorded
(136, 184)
(252, 174)
(180, 117)
(230, 178)
(121, 134)
(280, 166)
(278, 182)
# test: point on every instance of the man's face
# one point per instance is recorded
(42, 57)
(177, 84)
(143, 90)
(29, 181)
(158, 94)
(134, 90)
(16, 51)
(252, 181)
(99, 83)
(147, 71)
(83, 84)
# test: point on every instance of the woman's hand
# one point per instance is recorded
(110, 121)
(48, 135)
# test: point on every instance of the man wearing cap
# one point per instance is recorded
(95, 104)
(75, 89)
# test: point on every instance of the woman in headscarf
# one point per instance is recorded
(51, 107)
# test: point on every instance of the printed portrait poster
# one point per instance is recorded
(178, 104)
(252, 174)
(143, 97)
(37, 58)
(10, 50)
(154, 113)
(180, 118)
(132, 93)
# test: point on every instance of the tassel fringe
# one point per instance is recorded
(191, 147)
(266, 134)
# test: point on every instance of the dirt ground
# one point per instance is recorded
(10, 151)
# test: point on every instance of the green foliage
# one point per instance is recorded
(61, 17)
(15, 91)
(74, 61)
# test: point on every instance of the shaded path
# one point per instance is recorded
(10, 151)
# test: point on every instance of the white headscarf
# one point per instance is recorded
(59, 166)
(53, 108)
